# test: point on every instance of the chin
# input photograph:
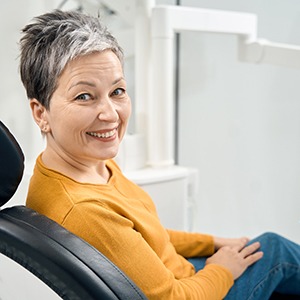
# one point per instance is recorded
(109, 155)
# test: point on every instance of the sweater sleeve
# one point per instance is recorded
(190, 244)
(117, 239)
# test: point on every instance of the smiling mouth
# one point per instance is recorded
(104, 135)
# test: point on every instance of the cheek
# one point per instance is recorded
(64, 120)
(126, 112)
(124, 115)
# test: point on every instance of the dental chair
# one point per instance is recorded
(67, 264)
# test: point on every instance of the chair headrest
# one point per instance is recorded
(11, 164)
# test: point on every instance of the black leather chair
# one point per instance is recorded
(67, 264)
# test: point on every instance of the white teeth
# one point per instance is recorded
(102, 135)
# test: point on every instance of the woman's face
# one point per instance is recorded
(89, 109)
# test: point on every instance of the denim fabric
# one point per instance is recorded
(278, 271)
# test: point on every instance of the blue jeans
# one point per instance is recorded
(278, 271)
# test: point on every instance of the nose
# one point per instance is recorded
(107, 111)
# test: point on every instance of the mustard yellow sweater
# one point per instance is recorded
(120, 220)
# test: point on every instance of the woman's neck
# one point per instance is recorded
(84, 171)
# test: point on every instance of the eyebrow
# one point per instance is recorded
(82, 83)
(92, 84)
(118, 80)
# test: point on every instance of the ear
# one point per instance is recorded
(39, 113)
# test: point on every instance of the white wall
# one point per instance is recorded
(240, 126)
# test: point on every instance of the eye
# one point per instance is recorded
(83, 97)
(118, 92)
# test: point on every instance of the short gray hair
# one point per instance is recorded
(54, 39)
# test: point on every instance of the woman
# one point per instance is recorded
(71, 68)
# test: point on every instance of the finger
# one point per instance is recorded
(246, 251)
(251, 259)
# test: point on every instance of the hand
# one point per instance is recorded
(221, 242)
(236, 258)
